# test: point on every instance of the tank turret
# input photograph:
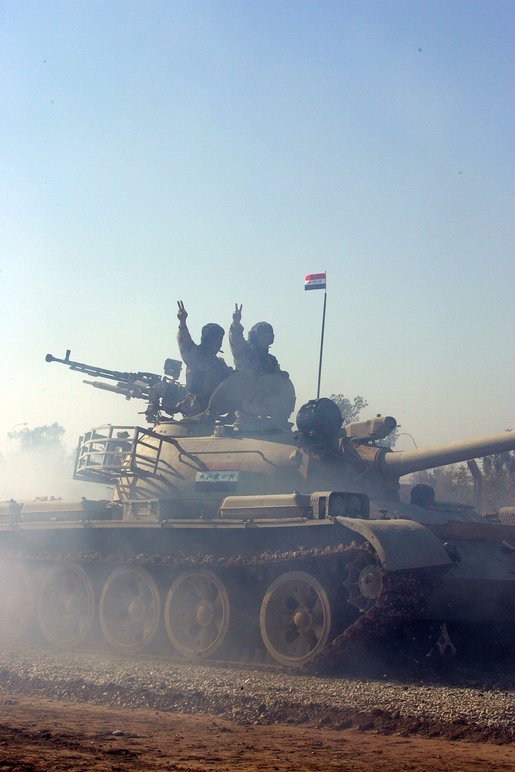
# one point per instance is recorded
(191, 464)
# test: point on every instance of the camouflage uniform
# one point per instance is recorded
(204, 372)
(247, 356)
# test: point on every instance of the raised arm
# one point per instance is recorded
(186, 345)
(236, 340)
(236, 317)
(182, 315)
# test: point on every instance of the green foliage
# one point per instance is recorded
(49, 437)
(498, 481)
(455, 483)
(390, 439)
(350, 410)
(451, 483)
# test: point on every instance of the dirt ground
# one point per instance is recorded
(38, 734)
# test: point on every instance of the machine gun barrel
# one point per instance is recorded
(407, 461)
(103, 372)
(120, 388)
(164, 394)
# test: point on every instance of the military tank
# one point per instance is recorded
(232, 535)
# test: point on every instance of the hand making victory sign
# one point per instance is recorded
(182, 314)
(236, 317)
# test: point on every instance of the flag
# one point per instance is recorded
(315, 281)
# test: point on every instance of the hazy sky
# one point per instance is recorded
(217, 151)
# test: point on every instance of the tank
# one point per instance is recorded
(236, 535)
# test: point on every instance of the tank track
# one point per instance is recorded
(178, 562)
(402, 596)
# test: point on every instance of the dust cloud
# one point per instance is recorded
(43, 473)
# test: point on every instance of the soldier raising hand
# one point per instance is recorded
(182, 314)
(252, 354)
(236, 317)
(204, 369)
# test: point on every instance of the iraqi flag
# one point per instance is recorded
(314, 281)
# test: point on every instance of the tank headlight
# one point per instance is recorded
(357, 506)
(339, 504)
(348, 505)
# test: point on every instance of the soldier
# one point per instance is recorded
(252, 354)
(271, 398)
(204, 370)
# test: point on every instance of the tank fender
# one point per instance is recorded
(400, 544)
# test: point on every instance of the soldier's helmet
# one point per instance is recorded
(261, 333)
(210, 331)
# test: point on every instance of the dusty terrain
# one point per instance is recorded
(92, 711)
(39, 734)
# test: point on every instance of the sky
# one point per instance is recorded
(217, 152)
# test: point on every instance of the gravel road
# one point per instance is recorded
(485, 712)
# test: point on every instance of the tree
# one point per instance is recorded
(48, 437)
(390, 439)
(498, 481)
(350, 410)
(451, 483)
(37, 464)
(455, 483)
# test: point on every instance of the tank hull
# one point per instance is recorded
(219, 589)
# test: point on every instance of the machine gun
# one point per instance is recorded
(163, 393)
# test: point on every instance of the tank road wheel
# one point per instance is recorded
(16, 601)
(65, 605)
(295, 618)
(364, 581)
(129, 609)
(197, 614)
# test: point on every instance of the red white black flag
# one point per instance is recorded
(314, 281)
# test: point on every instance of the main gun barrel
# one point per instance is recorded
(407, 461)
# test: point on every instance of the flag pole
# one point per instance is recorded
(322, 342)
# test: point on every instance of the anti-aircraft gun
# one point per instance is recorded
(163, 393)
(238, 534)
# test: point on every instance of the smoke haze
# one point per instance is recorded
(28, 474)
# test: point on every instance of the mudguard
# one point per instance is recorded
(400, 544)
